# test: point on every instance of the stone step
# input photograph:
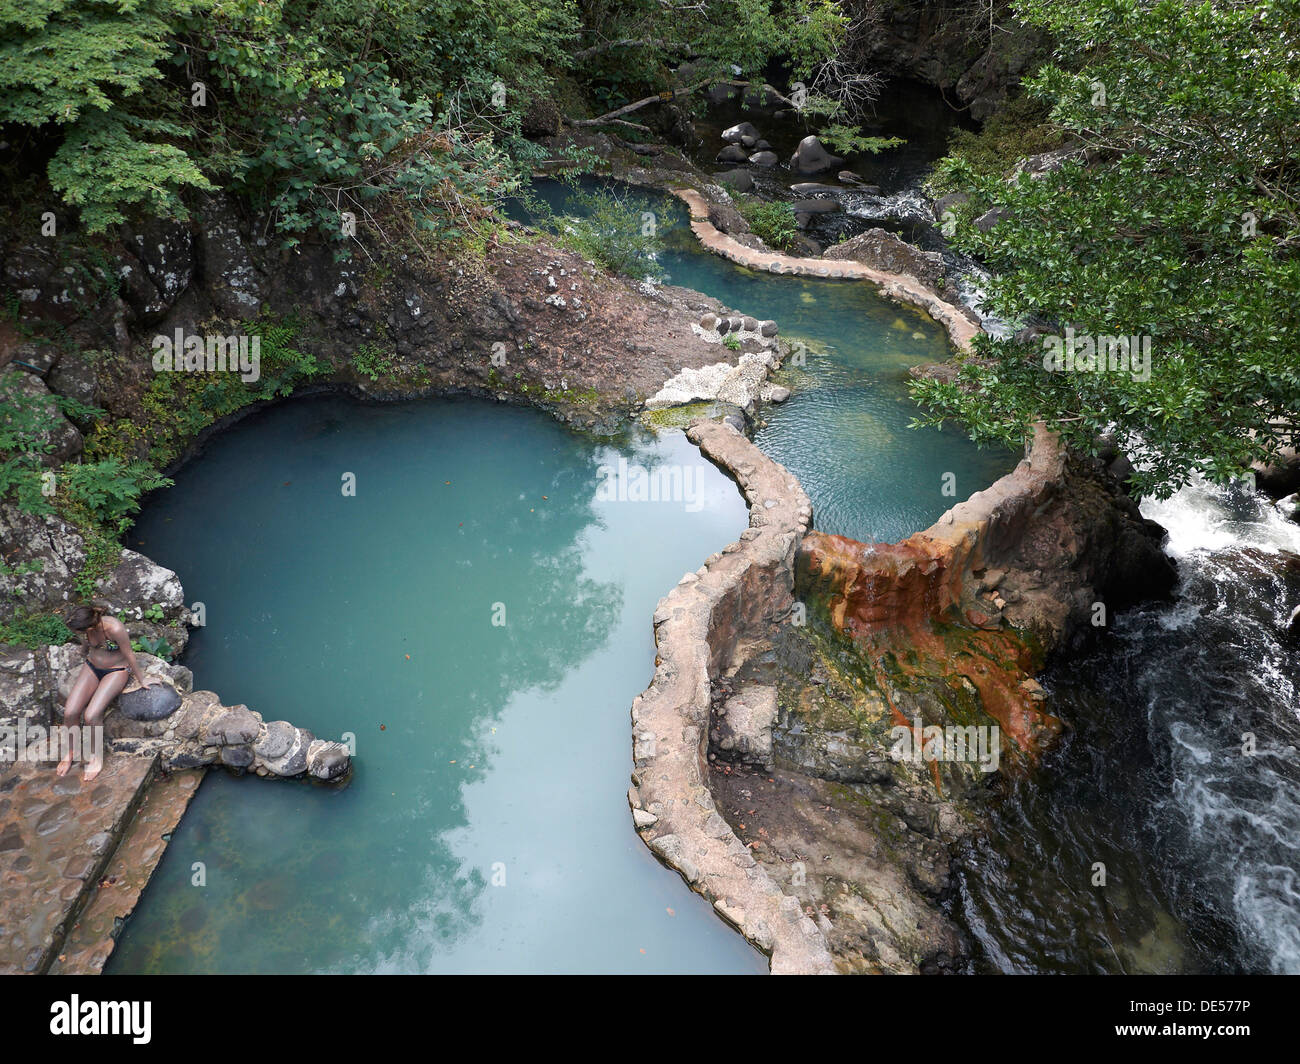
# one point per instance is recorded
(57, 835)
(115, 893)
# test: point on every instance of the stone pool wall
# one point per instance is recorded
(702, 629)
(955, 319)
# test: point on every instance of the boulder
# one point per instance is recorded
(276, 740)
(237, 726)
(239, 757)
(328, 761)
(948, 202)
(36, 358)
(732, 153)
(764, 158)
(816, 206)
(736, 134)
(743, 731)
(809, 188)
(740, 180)
(726, 219)
(882, 250)
(76, 376)
(58, 439)
(989, 219)
(811, 157)
(149, 703)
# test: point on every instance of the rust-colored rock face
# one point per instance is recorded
(976, 601)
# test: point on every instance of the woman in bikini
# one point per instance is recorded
(109, 664)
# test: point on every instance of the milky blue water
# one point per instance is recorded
(486, 827)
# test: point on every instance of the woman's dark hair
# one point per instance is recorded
(82, 618)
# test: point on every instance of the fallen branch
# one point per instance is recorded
(615, 117)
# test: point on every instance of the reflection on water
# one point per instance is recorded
(485, 828)
(845, 431)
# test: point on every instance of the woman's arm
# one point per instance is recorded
(122, 637)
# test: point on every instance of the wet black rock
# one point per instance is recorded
(149, 703)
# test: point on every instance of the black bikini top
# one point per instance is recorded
(107, 644)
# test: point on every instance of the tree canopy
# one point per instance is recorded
(313, 109)
(1173, 219)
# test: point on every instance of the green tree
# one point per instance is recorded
(82, 67)
(1174, 218)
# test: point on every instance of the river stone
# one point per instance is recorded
(736, 134)
(328, 761)
(277, 740)
(236, 726)
(779, 394)
(764, 158)
(149, 703)
(294, 763)
(812, 158)
(768, 328)
(236, 756)
(732, 153)
(740, 180)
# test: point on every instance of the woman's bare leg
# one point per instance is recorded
(82, 688)
(109, 688)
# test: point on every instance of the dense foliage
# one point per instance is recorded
(399, 113)
(1174, 219)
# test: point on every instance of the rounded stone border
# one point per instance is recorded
(701, 628)
(896, 286)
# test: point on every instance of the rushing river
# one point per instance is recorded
(1200, 840)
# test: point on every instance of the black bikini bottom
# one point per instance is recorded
(101, 673)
